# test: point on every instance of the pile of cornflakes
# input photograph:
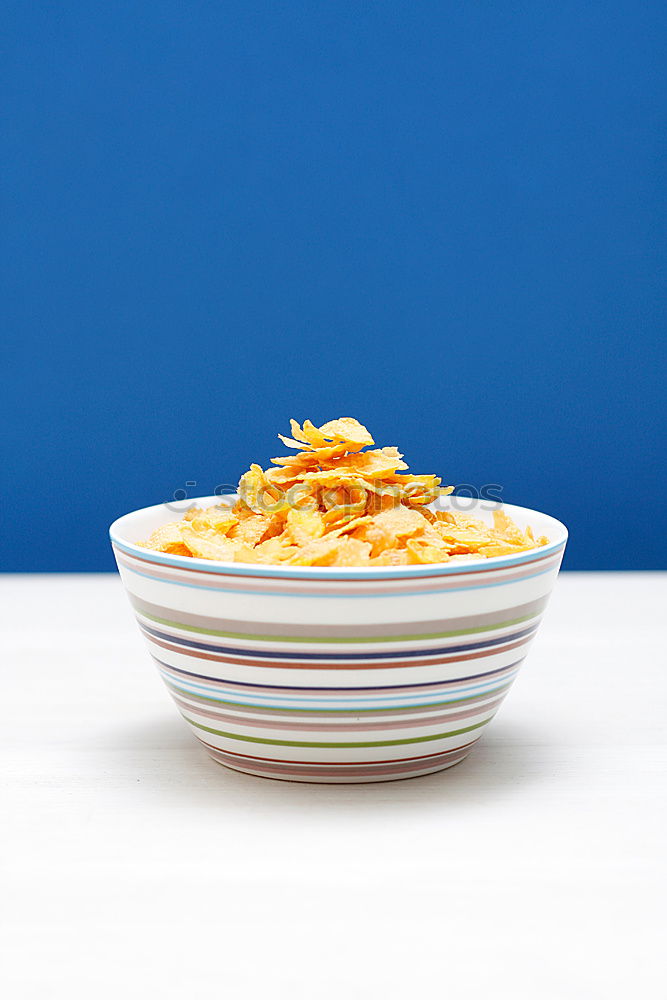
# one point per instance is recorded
(338, 502)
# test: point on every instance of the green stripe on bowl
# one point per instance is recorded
(335, 746)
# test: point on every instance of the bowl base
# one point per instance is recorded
(340, 774)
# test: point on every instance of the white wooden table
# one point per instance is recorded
(132, 865)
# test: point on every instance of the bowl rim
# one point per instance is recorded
(556, 544)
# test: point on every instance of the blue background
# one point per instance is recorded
(446, 219)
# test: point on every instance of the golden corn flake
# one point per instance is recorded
(332, 503)
(256, 491)
(291, 443)
(309, 434)
(207, 544)
(347, 430)
(332, 552)
(311, 458)
(167, 539)
(338, 516)
(351, 524)
(282, 478)
(250, 530)
(420, 551)
(372, 464)
(338, 478)
(317, 552)
(214, 518)
(303, 526)
(275, 549)
(351, 552)
(392, 557)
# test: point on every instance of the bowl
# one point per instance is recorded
(338, 674)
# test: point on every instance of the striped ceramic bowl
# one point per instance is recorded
(337, 674)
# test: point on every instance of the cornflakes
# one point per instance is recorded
(333, 503)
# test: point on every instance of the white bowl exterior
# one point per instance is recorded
(353, 677)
